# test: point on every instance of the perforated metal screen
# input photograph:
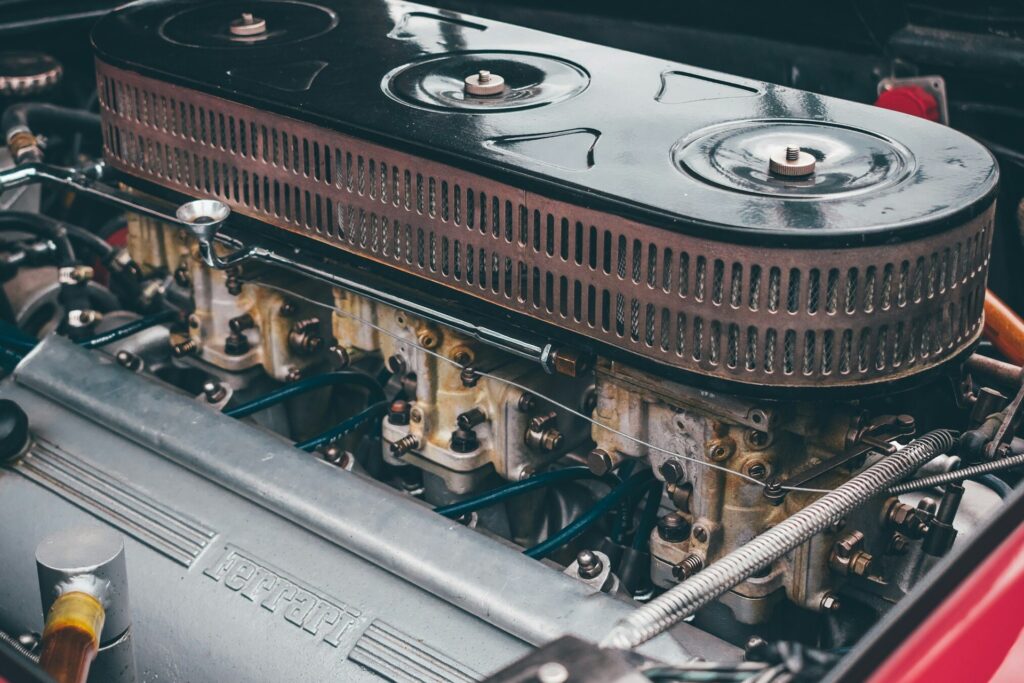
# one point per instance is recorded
(772, 317)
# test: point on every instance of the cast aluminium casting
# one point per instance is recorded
(687, 597)
(464, 568)
(770, 316)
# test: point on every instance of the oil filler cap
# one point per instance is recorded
(14, 434)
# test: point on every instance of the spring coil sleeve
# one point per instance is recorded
(957, 476)
(686, 598)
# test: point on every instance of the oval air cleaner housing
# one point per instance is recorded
(712, 225)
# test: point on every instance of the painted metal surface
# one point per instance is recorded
(331, 63)
(312, 572)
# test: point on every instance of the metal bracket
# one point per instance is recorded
(876, 437)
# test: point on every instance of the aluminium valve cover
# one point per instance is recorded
(619, 198)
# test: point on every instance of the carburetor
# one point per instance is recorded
(735, 467)
(459, 424)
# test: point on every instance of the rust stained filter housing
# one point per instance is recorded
(618, 197)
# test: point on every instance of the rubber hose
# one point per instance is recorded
(342, 377)
(374, 411)
(584, 521)
(517, 488)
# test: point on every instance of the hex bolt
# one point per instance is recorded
(233, 285)
(690, 565)
(898, 544)
(339, 356)
(335, 456)
(236, 344)
(526, 403)
(551, 440)
(464, 441)
(599, 462)
(589, 565)
(304, 337)
(774, 492)
(568, 362)
(469, 377)
(906, 518)
(848, 557)
(406, 444)
(673, 528)
(471, 418)
(241, 323)
(185, 348)
(672, 471)
(830, 603)
(214, 391)
(541, 422)
(928, 505)
(398, 412)
(129, 360)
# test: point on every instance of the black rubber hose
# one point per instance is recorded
(648, 517)
(497, 495)
(73, 296)
(49, 118)
(373, 412)
(995, 484)
(581, 523)
(125, 274)
(9, 359)
(44, 227)
(128, 329)
(340, 377)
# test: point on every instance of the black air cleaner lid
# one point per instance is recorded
(659, 142)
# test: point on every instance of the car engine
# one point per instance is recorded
(369, 340)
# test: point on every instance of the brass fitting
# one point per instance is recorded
(23, 145)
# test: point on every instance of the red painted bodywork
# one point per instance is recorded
(976, 634)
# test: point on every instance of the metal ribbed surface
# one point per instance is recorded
(772, 317)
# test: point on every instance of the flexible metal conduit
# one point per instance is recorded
(956, 476)
(683, 600)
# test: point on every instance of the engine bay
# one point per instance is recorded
(369, 340)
